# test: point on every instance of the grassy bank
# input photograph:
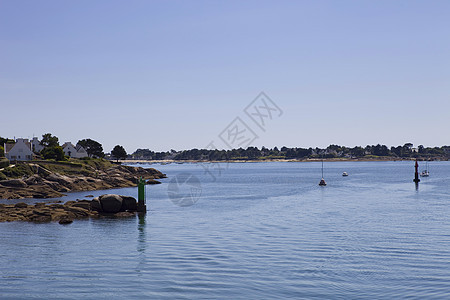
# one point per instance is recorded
(85, 167)
(4, 162)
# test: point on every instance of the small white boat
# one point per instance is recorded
(425, 173)
(345, 174)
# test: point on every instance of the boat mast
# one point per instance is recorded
(322, 181)
(322, 167)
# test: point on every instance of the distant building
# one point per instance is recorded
(69, 149)
(74, 151)
(21, 150)
(36, 146)
(81, 152)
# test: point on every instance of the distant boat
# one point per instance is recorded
(425, 173)
(345, 174)
(322, 181)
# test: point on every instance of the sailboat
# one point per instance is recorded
(322, 181)
(425, 173)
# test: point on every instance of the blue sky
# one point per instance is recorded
(173, 74)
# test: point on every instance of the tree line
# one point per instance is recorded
(407, 151)
(52, 150)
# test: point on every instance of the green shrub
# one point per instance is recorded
(53, 152)
(18, 171)
(4, 162)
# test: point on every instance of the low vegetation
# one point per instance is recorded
(4, 162)
(85, 167)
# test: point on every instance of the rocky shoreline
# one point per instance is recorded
(52, 180)
(104, 206)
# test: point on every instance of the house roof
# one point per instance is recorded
(66, 144)
(80, 148)
(8, 147)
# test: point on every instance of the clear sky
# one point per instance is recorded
(173, 74)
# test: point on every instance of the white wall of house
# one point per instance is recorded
(69, 149)
(21, 151)
(36, 145)
(74, 151)
(81, 152)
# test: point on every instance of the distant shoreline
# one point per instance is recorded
(171, 161)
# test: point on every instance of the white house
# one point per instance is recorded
(36, 145)
(81, 152)
(20, 151)
(74, 151)
(69, 149)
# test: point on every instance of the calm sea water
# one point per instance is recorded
(256, 231)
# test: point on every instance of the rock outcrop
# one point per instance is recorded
(40, 182)
(15, 183)
(41, 212)
(153, 181)
(105, 205)
(128, 204)
(110, 203)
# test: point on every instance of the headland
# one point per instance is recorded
(51, 179)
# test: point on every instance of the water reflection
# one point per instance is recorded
(141, 235)
(141, 245)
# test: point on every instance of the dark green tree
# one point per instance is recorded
(53, 152)
(93, 148)
(48, 140)
(422, 149)
(143, 153)
(5, 140)
(380, 150)
(357, 151)
(301, 152)
(407, 150)
(119, 152)
(397, 151)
